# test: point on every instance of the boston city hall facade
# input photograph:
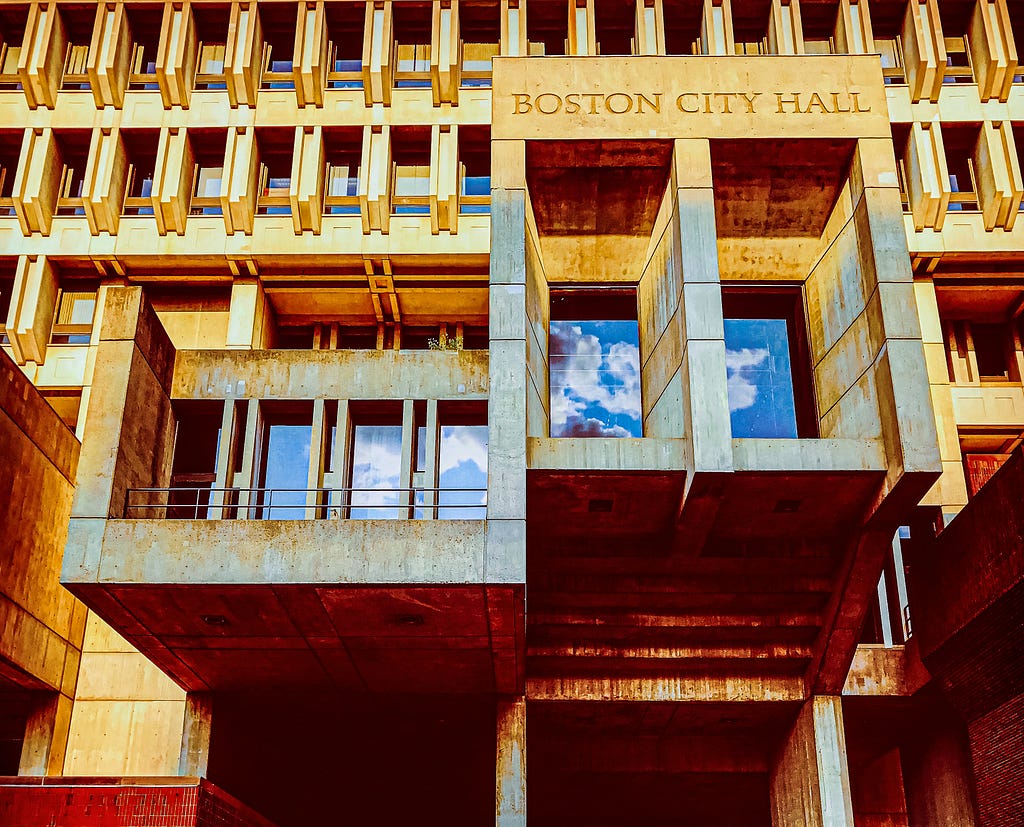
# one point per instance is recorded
(402, 399)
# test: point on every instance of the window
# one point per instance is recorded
(412, 25)
(284, 475)
(343, 150)
(78, 22)
(194, 467)
(275, 151)
(992, 343)
(279, 46)
(959, 142)
(462, 462)
(958, 61)
(12, 33)
(208, 149)
(474, 170)
(73, 148)
(10, 152)
(345, 24)
(594, 363)
(377, 490)
(212, 30)
(476, 64)
(767, 366)
(141, 148)
(410, 151)
(6, 292)
(145, 28)
(73, 322)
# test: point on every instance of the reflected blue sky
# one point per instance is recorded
(376, 465)
(462, 464)
(287, 464)
(760, 378)
(595, 379)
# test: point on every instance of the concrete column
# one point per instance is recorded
(248, 316)
(310, 56)
(46, 736)
(507, 406)
(810, 780)
(177, 54)
(514, 42)
(950, 491)
(924, 50)
(716, 32)
(649, 28)
(510, 769)
(378, 52)
(195, 734)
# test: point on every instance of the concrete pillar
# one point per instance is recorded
(716, 32)
(810, 780)
(513, 28)
(510, 329)
(510, 769)
(129, 437)
(46, 736)
(950, 491)
(195, 734)
(378, 53)
(249, 317)
(311, 59)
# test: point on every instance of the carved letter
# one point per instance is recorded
(521, 102)
(681, 105)
(655, 104)
(784, 101)
(593, 101)
(750, 98)
(817, 101)
(553, 109)
(612, 109)
(856, 102)
(725, 101)
(835, 104)
(572, 103)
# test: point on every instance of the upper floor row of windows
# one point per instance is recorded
(379, 45)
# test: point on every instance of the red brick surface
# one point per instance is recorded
(95, 802)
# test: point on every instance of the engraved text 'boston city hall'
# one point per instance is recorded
(725, 103)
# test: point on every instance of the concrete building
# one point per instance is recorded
(697, 321)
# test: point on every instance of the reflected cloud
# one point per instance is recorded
(595, 379)
(742, 392)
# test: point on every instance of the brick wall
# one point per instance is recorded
(99, 802)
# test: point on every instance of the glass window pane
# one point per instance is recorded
(595, 379)
(376, 472)
(287, 467)
(760, 378)
(462, 465)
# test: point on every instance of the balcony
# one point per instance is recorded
(325, 542)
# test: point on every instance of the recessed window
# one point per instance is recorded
(345, 25)
(594, 363)
(287, 433)
(73, 324)
(73, 148)
(343, 153)
(991, 350)
(275, 153)
(141, 147)
(278, 23)
(412, 23)
(377, 492)
(208, 148)
(144, 22)
(410, 151)
(6, 292)
(480, 29)
(474, 170)
(212, 29)
(767, 367)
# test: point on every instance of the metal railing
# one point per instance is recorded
(208, 503)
